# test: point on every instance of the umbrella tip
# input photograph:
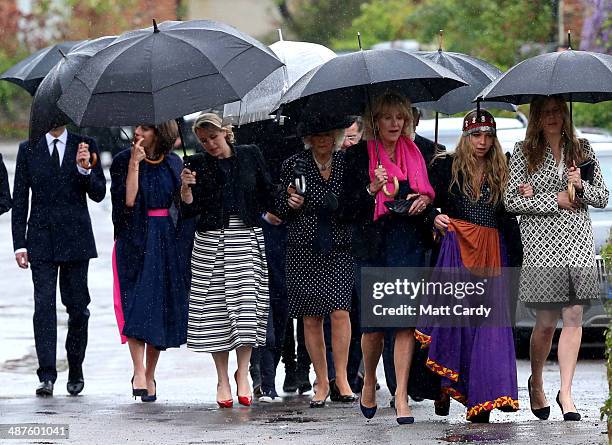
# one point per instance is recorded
(359, 40)
(569, 39)
(61, 52)
(280, 35)
(155, 28)
(440, 40)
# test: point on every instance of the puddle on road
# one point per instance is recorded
(46, 412)
(298, 419)
(478, 436)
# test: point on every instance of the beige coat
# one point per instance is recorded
(558, 244)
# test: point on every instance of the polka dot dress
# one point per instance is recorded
(318, 281)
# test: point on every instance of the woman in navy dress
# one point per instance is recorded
(149, 285)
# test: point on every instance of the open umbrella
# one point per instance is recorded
(476, 72)
(31, 71)
(577, 76)
(160, 73)
(44, 113)
(343, 85)
(299, 58)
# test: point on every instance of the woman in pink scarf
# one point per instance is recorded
(385, 171)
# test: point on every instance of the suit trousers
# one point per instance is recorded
(75, 297)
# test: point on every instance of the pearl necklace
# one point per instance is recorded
(323, 166)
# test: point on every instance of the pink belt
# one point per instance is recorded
(158, 212)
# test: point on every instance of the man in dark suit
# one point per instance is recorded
(5, 191)
(57, 239)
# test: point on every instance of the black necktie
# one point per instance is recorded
(55, 155)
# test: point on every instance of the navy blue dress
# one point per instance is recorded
(150, 268)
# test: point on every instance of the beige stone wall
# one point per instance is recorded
(257, 18)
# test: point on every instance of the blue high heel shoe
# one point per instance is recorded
(148, 398)
(368, 413)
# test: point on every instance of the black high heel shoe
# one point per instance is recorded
(407, 420)
(138, 392)
(319, 403)
(148, 398)
(368, 413)
(540, 413)
(336, 396)
(572, 415)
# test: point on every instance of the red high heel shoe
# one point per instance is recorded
(225, 403)
(243, 400)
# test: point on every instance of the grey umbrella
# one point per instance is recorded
(31, 71)
(160, 73)
(44, 113)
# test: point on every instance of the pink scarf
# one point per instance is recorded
(409, 165)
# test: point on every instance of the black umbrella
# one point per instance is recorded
(160, 73)
(31, 71)
(44, 113)
(578, 76)
(476, 72)
(343, 85)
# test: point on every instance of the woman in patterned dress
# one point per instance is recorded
(228, 186)
(319, 262)
(559, 275)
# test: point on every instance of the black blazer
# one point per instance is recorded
(5, 192)
(255, 192)
(427, 148)
(59, 227)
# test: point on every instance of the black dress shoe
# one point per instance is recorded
(442, 406)
(75, 386)
(540, 413)
(570, 415)
(290, 384)
(45, 389)
(483, 417)
(336, 396)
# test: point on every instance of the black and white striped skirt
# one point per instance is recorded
(229, 297)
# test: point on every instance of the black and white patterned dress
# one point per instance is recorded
(559, 254)
(319, 263)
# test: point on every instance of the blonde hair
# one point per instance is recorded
(229, 133)
(338, 139)
(495, 170)
(379, 105)
(535, 143)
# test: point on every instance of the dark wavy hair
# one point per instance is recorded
(166, 134)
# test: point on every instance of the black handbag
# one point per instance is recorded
(587, 170)
(401, 206)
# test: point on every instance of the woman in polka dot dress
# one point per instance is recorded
(319, 262)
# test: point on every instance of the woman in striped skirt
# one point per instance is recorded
(229, 188)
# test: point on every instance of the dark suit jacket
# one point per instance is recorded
(5, 192)
(59, 227)
(428, 148)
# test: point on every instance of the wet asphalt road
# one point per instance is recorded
(186, 412)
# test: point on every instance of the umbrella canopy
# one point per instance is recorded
(44, 113)
(578, 76)
(160, 73)
(299, 58)
(31, 71)
(343, 85)
(476, 72)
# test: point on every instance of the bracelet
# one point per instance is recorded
(369, 191)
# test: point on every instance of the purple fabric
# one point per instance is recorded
(484, 357)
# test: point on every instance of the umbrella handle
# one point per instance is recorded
(571, 192)
(300, 185)
(90, 163)
(395, 191)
